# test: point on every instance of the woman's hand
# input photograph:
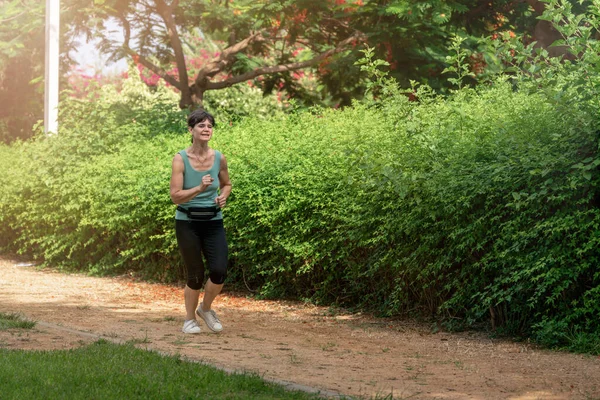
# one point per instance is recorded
(221, 200)
(207, 180)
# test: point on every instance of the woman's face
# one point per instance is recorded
(202, 131)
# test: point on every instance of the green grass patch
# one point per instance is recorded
(14, 321)
(104, 370)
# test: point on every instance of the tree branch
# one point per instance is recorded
(220, 63)
(158, 71)
(281, 68)
(143, 60)
(127, 29)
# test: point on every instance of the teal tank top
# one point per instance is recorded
(192, 178)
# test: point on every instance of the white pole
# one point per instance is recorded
(51, 71)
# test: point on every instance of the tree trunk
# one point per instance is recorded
(197, 91)
(189, 101)
(166, 12)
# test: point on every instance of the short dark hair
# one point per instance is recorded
(199, 115)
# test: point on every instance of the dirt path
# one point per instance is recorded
(347, 354)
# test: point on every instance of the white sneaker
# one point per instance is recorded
(211, 319)
(191, 326)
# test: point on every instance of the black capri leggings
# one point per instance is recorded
(202, 237)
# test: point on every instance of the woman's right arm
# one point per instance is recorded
(180, 195)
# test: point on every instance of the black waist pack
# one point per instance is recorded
(200, 213)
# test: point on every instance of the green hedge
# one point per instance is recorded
(482, 205)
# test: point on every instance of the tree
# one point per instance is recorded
(272, 38)
(296, 34)
(414, 36)
(267, 41)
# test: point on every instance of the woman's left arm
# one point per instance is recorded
(225, 183)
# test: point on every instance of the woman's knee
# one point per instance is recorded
(195, 283)
(218, 277)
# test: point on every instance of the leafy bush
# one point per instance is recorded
(459, 206)
(58, 207)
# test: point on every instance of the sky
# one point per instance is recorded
(89, 59)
